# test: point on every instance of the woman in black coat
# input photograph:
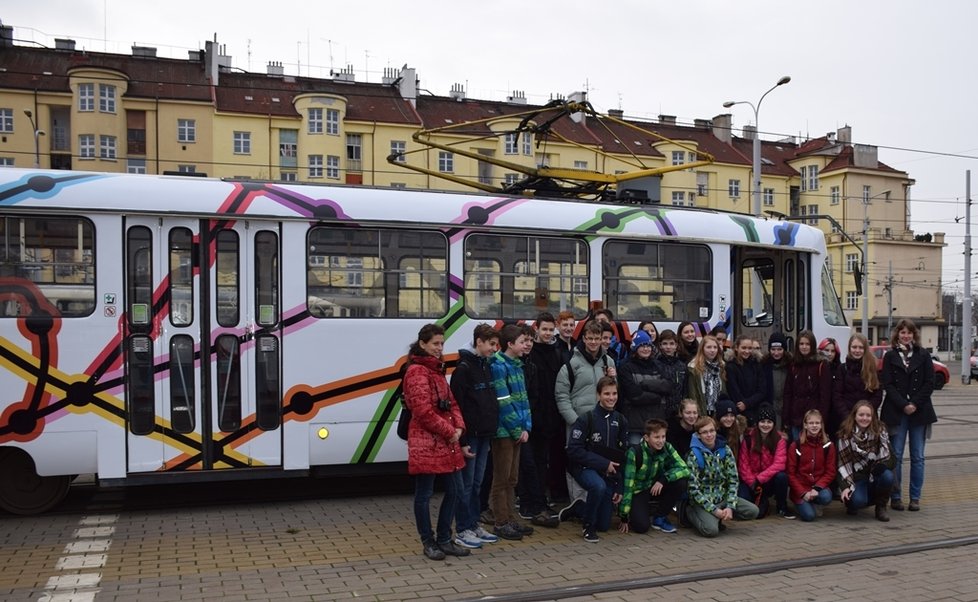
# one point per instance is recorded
(747, 384)
(644, 391)
(908, 379)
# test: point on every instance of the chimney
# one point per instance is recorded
(750, 132)
(344, 75)
(275, 68)
(457, 92)
(211, 50)
(721, 127)
(845, 134)
(195, 55)
(390, 76)
(865, 155)
(830, 137)
(616, 113)
(408, 85)
(64, 44)
(517, 98)
(581, 97)
(702, 123)
(667, 119)
(6, 36)
(144, 51)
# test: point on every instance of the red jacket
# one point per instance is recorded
(810, 465)
(430, 448)
(760, 467)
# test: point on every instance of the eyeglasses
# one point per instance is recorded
(708, 432)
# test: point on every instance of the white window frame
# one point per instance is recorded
(768, 195)
(511, 178)
(7, 121)
(187, 131)
(333, 122)
(315, 121)
(678, 198)
(315, 166)
(288, 176)
(733, 188)
(6, 161)
(852, 262)
(834, 195)
(398, 147)
(580, 164)
(446, 162)
(107, 147)
(86, 97)
(86, 146)
(528, 144)
(241, 143)
(106, 98)
(187, 168)
(333, 167)
(137, 166)
(813, 210)
(511, 143)
(813, 177)
(852, 300)
(867, 193)
(678, 157)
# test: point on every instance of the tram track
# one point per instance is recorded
(742, 570)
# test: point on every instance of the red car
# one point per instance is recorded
(941, 375)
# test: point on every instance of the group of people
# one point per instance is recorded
(668, 422)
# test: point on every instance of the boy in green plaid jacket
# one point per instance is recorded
(655, 479)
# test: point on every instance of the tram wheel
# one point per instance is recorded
(22, 490)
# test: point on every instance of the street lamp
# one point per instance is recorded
(37, 134)
(865, 279)
(757, 139)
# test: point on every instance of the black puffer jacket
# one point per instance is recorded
(644, 392)
(543, 400)
(473, 390)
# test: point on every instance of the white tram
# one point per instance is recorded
(156, 327)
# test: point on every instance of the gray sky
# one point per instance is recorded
(896, 70)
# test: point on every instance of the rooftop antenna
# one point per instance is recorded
(249, 54)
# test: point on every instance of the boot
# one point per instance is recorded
(881, 514)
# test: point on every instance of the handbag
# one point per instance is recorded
(403, 421)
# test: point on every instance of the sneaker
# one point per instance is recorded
(551, 511)
(522, 529)
(507, 532)
(662, 524)
(432, 551)
(450, 548)
(487, 517)
(787, 514)
(468, 539)
(571, 511)
(484, 536)
(544, 519)
(590, 535)
(526, 514)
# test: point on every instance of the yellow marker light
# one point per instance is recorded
(323, 432)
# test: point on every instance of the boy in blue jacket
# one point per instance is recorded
(595, 454)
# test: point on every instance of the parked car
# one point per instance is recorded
(974, 367)
(941, 374)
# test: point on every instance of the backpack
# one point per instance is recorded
(403, 421)
(698, 453)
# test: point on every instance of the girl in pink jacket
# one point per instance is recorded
(761, 463)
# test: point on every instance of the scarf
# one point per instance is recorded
(711, 385)
(859, 453)
(906, 352)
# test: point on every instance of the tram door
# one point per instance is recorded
(771, 293)
(202, 347)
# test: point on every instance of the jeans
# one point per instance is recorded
(597, 510)
(866, 493)
(644, 505)
(424, 487)
(709, 525)
(469, 504)
(898, 440)
(777, 486)
(806, 510)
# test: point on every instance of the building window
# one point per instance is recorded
(528, 144)
(580, 164)
(315, 121)
(733, 188)
(446, 162)
(852, 262)
(107, 147)
(398, 148)
(867, 190)
(888, 232)
(852, 300)
(86, 97)
(678, 157)
(333, 122)
(6, 121)
(702, 183)
(511, 146)
(186, 130)
(315, 166)
(834, 195)
(187, 168)
(6, 161)
(354, 146)
(288, 176)
(136, 166)
(242, 143)
(768, 197)
(813, 177)
(678, 198)
(333, 167)
(511, 178)
(86, 146)
(692, 157)
(106, 98)
(813, 210)
(398, 185)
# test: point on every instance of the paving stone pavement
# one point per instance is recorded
(367, 548)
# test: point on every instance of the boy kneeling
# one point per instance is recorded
(655, 479)
(713, 482)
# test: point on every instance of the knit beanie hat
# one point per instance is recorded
(777, 340)
(641, 338)
(766, 412)
(724, 407)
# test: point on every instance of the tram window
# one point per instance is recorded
(831, 307)
(371, 273)
(139, 278)
(790, 297)
(181, 277)
(757, 292)
(228, 360)
(266, 277)
(658, 281)
(804, 319)
(514, 277)
(227, 278)
(140, 386)
(53, 260)
(267, 383)
(182, 384)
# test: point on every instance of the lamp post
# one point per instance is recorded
(865, 278)
(37, 134)
(757, 139)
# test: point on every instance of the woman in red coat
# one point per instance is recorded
(433, 434)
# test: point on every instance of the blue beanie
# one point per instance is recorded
(641, 338)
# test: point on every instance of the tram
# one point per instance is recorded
(167, 328)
